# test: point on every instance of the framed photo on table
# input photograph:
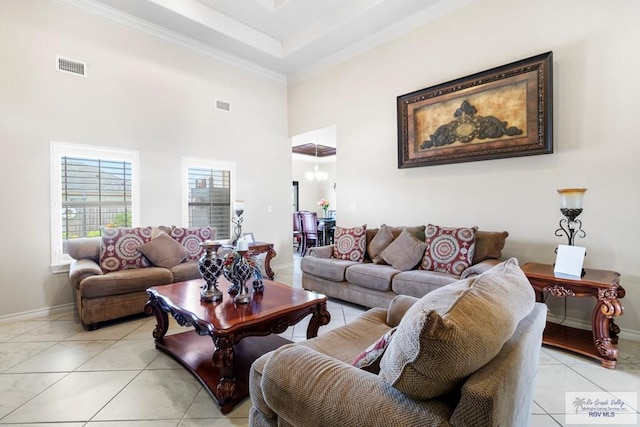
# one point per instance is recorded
(248, 237)
(502, 112)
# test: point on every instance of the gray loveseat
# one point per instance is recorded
(373, 283)
(110, 274)
(463, 355)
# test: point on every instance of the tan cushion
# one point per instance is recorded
(84, 247)
(380, 241)
(455, 330)
(405, 252)
(489, 245)
(187, 270)
(371, 276)
(164, 251)
(416, 230)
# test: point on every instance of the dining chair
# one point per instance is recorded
(297, 231)
(309, 230)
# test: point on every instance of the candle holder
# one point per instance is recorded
(571, 207)
(237, 221)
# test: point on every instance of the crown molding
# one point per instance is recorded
(125, 19)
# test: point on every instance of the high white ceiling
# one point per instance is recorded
(285, 38)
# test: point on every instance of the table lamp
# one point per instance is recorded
(571, 207)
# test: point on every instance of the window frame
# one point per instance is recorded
(59, 260)
(192, 162)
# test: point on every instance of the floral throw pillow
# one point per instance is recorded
(449, 250)
(350, 243)
(191, 238)
(119, 248)
(369, 359)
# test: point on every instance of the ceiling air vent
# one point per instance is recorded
(223, 105)
(70, 66)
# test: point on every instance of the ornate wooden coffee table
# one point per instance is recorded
(240, 333)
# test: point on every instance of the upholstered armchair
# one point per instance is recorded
(465, 355)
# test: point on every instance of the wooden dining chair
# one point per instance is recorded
(309, 230)
(297, 231)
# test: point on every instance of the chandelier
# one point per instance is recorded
(316, 174)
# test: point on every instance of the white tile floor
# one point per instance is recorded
(54, 372)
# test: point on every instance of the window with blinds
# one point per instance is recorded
(90, 187)
(209, 199)
(94, 193)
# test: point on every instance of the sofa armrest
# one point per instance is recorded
(300, 384)
(321, 251)
(479, 268)
(81, 269)
(398, 307)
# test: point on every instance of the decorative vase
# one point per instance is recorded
(238, 273)
(210, 267)
(324, 212)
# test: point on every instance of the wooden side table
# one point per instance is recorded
(601, 341)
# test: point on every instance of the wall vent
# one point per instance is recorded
(223, 105)
(67, 65)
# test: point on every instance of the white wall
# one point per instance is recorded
(595, 140)
(140, 93)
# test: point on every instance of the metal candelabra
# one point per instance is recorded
(570, 226)
(237, 225)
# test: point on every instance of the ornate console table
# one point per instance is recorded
(601, 341)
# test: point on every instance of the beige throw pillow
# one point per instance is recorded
(455, 330)
(405, 252)
(164, 251)
(379, 243)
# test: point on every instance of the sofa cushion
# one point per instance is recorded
(369, 359)
(489, 245)
(405, 252)
(455, 330)
(119, 248)
(371, 276)
(187, 270)
(379, 243)
(163, 251)
(84, 247)
(418, 283)
(124, 282)
(327, 268)
(191, 238)
(416, 230)
(449, 250)
(350, 243)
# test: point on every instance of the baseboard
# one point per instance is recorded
(34, 314)
(625, 334)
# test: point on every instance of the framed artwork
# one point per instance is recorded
(506, 111)
(248, 237)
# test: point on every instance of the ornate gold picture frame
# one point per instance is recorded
(506, 111)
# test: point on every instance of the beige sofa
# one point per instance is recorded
(372, 284)
(463, 355)
(105, 291)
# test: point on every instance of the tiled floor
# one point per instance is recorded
(54, 372)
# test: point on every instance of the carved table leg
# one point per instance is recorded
(271, 253)
(162, 326)
(223, 359)
(605, 341)
(319, 318)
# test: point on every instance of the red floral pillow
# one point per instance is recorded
(119, 248)
(369, 359)
(350, 243)
(191, 238)
(449, 250)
